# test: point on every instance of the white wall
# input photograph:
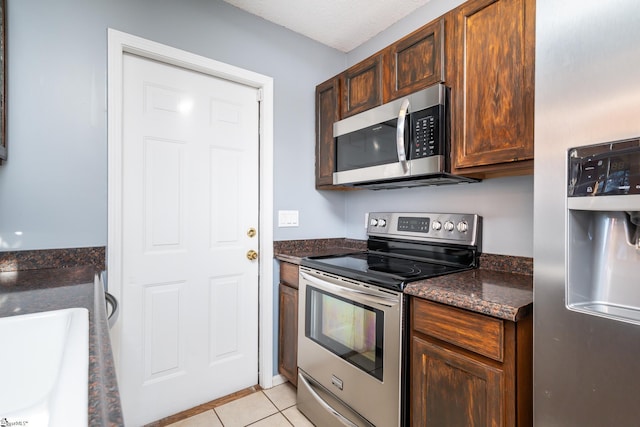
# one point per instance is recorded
(53, 189)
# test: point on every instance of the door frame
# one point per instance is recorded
(120, 43)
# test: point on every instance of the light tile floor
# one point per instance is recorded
(275, 407)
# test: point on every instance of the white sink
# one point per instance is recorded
(44, 368)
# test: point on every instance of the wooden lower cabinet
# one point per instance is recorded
(451, 389)
(468, 369)
(288, 323)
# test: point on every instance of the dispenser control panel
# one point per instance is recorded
(611, 168)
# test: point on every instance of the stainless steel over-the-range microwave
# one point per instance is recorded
(403, 143)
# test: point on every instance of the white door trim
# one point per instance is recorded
(120, 43)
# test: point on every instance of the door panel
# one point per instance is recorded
(164, 198)
(163, 341)
(190, 191)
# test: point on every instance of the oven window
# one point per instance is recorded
(348, 329)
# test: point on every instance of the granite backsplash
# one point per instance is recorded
(53, 258)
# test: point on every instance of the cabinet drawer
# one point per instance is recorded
(289, 274)
(474, 332)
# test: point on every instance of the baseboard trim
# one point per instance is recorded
(277, 380)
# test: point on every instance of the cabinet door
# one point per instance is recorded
(361, 86)
(415, 61)
(288, 334)
(327, 113)
(494, 88)
(451, 389)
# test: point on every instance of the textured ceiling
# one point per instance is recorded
(341, 24)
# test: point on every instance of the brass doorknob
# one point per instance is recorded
(251, 232)
(252, 255)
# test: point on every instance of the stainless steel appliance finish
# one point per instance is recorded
(366, 396)
(586, 367)
(351, 334)
(403, 143)
(603, 245)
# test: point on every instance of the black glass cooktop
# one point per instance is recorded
(380, 269)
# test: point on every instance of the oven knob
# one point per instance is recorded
(448, 226)
(382, 222)
(462, 226)
(436, 225)
(373, 222)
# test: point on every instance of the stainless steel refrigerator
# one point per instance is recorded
(586, 246)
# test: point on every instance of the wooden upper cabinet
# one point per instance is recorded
(493, 91)
(415, 61)
(361, 86)
(327, 113)
(484, 50)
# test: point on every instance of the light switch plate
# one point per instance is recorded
(287, 218)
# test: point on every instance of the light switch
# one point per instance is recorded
(287, 218)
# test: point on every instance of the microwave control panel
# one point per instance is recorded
(611, 168)
(426, 133)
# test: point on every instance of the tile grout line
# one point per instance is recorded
(278, 411)
(284, 403)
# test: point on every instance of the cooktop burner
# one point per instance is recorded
(406, 247)
(380, 269)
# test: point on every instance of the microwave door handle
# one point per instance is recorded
(400, 142)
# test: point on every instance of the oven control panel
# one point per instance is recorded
(464, 229)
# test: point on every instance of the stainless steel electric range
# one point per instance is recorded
(351, 337)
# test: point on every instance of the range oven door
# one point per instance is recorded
(349, 351)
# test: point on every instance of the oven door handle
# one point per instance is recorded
(341, 418)
(386, 301)
(400, 142)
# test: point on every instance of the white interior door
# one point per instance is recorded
(189, 294)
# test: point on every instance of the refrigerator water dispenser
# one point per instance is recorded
(603, 233)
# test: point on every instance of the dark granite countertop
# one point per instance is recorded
(502, 287)
(31, 291)
(498, 294)
(294, 250)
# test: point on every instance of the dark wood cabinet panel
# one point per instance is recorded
(327, 113)
(451, 389)
(415, 61)
(471, 331)
(493, 93)
(288, 334)
(361, 86)
(289, 274)
(456, 377)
